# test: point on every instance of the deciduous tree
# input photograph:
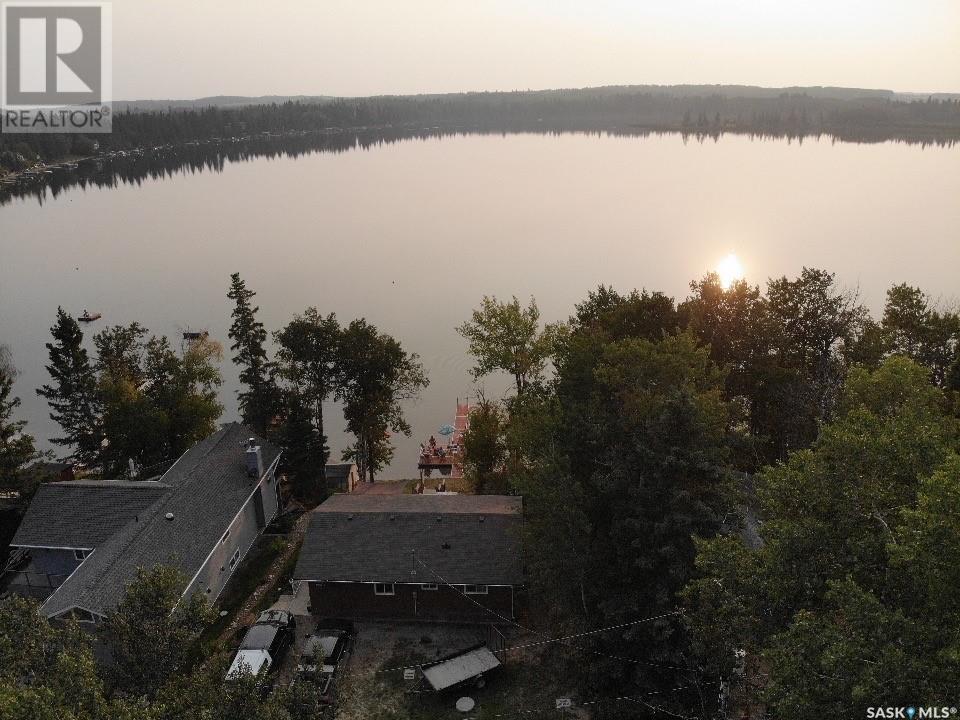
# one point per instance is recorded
(376, 376)
(153, 634)
(505, 336)
(309, 361)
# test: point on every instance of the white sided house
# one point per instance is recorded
(201, 517)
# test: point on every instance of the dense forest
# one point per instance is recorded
(758, 491)
(702, 111)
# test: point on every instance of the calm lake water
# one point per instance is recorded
(410, 235)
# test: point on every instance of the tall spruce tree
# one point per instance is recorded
(72, 395)
(259, 398)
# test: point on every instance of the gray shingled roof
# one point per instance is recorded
(83, 514)
(209, 486)
(452, 504)
(465, 539)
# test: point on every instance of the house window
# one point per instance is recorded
(475, 589)
(225, 536)
(235, 559)
(80, 554)
(383, 589)
(428, 586)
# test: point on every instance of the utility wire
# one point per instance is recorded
(566, 638)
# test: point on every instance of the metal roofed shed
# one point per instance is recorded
(460, 668)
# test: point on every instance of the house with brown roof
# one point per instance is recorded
(454, 558)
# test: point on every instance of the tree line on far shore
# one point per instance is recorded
(846, 114)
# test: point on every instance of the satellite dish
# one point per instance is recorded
(465, 704)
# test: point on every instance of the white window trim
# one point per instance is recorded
(235, 560)
(476, 590)
(384, 593)
(429, 586)
(80, 555)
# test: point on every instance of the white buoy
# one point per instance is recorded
(465, 704)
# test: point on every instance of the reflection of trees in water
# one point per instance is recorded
(132, 168)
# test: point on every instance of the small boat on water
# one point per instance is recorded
(89, 317)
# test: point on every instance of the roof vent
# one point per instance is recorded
(439, 518)
(169, 516)
(350, 516)
(393, 517)
(445, 546)
(481, 518)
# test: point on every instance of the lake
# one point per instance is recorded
(411, 234)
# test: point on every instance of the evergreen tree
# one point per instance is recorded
(72, 395)
(304, 455)
(259, 400)
(17, 449)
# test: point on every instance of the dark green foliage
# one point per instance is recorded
(507, 337)
(847, 601)
(259, 399)
(48, 672)
(72, 395)
(913, 328)
(786, 352)
(376, 376)
(485, 448)
(17, 448)
(153, 634)
(304, 453)
(155, 403)
(625, 468)
(308, 356)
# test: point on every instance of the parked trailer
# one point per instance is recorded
(456, 669)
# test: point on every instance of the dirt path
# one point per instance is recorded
(246, 614)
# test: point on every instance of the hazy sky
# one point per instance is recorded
(195, 48)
